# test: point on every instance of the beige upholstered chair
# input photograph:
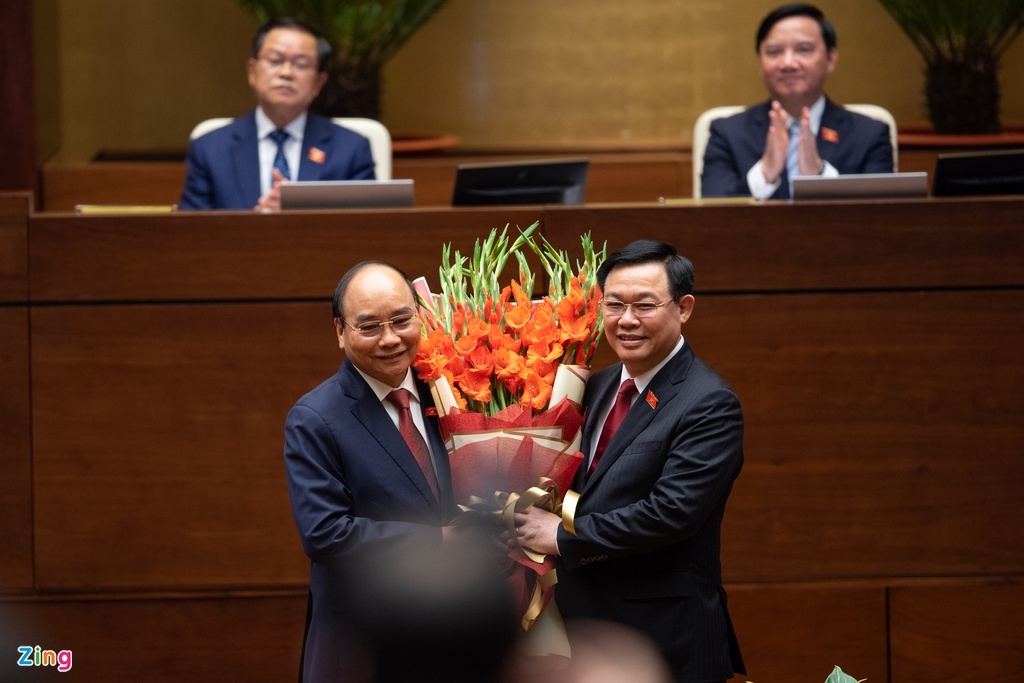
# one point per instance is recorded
(374, 131)
(702, 130)
(701, 133)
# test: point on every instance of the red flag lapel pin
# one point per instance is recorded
(651, 399)
(431, 412)
(829, 135)
(316, 155)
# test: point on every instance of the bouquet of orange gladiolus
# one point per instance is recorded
(508, 374)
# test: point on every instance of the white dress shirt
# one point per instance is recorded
(762, 189)
(268, 148)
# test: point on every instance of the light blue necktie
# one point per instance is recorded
(792, 166)
(280, 163)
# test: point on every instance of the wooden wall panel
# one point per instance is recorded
(15, 415)
(15, 451)
(14, 208)
(798, 632)
(866, 411)
(65, 186)
(231, 255)
(18, 104)
(820, 245)
(958, 632)
(158, 437)
(160, 639)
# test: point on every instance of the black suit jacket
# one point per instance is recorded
(736, 143)
(355, 487)
(648, 521)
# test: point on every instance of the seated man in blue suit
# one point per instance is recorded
(241, 165)
(366, 467)
(799, 131)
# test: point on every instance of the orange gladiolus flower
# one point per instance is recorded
(536, 391)
(436, 352)
(476, 331)
(508, 365)
(480, 360)
(518, 315)
(476, 385)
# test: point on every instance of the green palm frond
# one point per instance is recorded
(958, 30)
(367, 30)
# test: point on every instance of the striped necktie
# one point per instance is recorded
(400, 399)
(280, 162)
(623, 400)
(792, 164)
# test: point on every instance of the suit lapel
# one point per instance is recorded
(317, 136)
(246, 159)
(599, 390)
(367, 409)
(437, 446)
(664, 387)
(833, 118)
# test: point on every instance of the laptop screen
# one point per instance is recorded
(862, 186)
(347, 194)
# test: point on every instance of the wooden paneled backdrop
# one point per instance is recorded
(147, 364)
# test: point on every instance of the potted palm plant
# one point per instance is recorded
(962, 42)
(364, 35)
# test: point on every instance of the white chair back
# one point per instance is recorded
(883, 115)
(380, 141)
(374, 131)
(702, 131)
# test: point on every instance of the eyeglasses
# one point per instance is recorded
(374, 328)
(641, 309)
(276, 62)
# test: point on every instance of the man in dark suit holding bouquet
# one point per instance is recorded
(646, 544)
(367, 469)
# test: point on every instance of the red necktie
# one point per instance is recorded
(400, 399)
(618, 413)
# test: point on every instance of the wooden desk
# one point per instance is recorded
(874, 346)
(613, 177)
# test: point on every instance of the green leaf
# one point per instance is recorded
(837, 676)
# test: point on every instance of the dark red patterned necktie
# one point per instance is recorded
(400, 399)
(618, 413)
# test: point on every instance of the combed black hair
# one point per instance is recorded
(796, 9)
(678, 268)
(323, 47)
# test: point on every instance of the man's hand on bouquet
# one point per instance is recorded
(537, 530)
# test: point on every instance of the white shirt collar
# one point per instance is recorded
(816, 111)
(381, 390)
(644, 379)
(264, 126)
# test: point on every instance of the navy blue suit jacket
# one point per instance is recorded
(737, 143)
(223, 166)
(354, 487)
(648, 522)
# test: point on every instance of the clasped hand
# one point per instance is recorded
(773, 162)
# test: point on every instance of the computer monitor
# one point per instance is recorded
(979, 173)
(555, 181)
